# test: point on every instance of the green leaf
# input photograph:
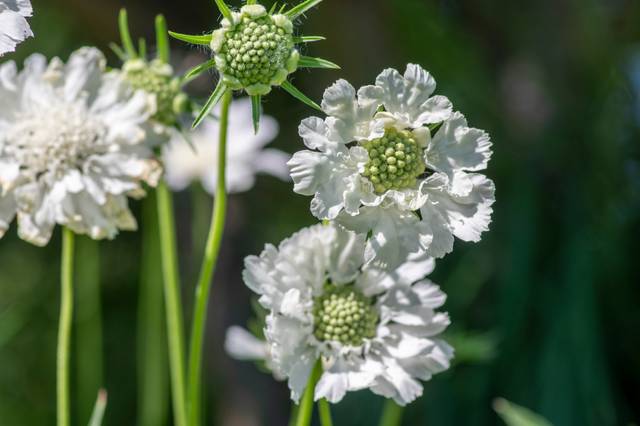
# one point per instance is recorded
(299, 95)
(309, 62)
(211, 102)
(308, 39)
(125, 36)
(118, 51)
(273, 8)
(162, 40)
(295, 12)
(224, 9)
(252, 1)
(193, 39)
(515, 415)
(142, 47)
(99, 408)
(256, 109)
(197, 70)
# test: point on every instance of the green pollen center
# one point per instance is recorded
(256, 50)
(344, 315)
(157, 78)
(395, 160)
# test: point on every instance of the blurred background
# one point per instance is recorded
(545, 309)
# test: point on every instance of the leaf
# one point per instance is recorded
(515, 415)
(118, 51)
(142, 47)
(224, 9)
(298, 10)
(308, 39)
(197, 70)
(125, 36)
(256, 109)
(162, 40)
(99, 408)
(309, 62)
(193, 39)
(211, 102)
(299, 95)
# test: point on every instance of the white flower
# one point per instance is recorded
(244, 346)
(245, 156)
(371, 328)
(14, 28)
(389, 151)
(71, 147)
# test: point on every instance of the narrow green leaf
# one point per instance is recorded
(125, 35)
(515, 415)
(299, 95)
(224, 9)
(193, 39)
(308, 39)
(252, 1)
(118, 51)
(273, 8)
(282, 8)
(197, 70)
(142, 47)
(99, 408)
(211, 102)
(256, 108)
(309, 62)
(295, 12)
(162, 39)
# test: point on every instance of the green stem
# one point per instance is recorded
(212, 249)
(305, 411)
(64, 327)
(392, 414)
(173, 303)
(88, 326)
(325, 413)
(153, 380)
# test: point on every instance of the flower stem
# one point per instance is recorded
(391, 414)
(212, 250)
(305, 411)
(173, 303)
(64, 327)
(325, 413)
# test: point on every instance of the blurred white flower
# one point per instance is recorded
(185, 164)
(370, 328)
(71, 147)
(14, 28)
(389, 151)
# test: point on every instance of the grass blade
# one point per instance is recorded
(256, 109)
(125, 35)
(162, 39)
(193, 39)
(309, 62)
(298, 10)
(299, 95)
(211, 102)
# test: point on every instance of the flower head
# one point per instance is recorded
(245, 157)
(392, 150)
(255, 50)
(71, 147)
(371, 328)
(14, 28)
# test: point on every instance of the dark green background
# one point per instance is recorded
(544, 309)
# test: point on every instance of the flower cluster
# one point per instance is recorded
(72, 147)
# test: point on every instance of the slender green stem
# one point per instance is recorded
(173, 303)
(391, 414)
(153, 379)
(325, 413)
(88, 326)
(64, 327)
(210, 259)
(305, 410)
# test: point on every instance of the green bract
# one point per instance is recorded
(343, 314)
(255, 50)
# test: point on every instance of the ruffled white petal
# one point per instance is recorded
(244, 346)
(14, 28)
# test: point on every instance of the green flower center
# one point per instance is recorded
(395, 160)
(256, 50)
(344, 315)
(157, 78)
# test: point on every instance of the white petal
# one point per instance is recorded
(347, 256)
(244, 346)
(13, 25)
(83, 72)
(7, 212)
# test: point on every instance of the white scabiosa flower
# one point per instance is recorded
(14, 27)
(394, 160)
(245, 157)
(370, 328)
(71, 147)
